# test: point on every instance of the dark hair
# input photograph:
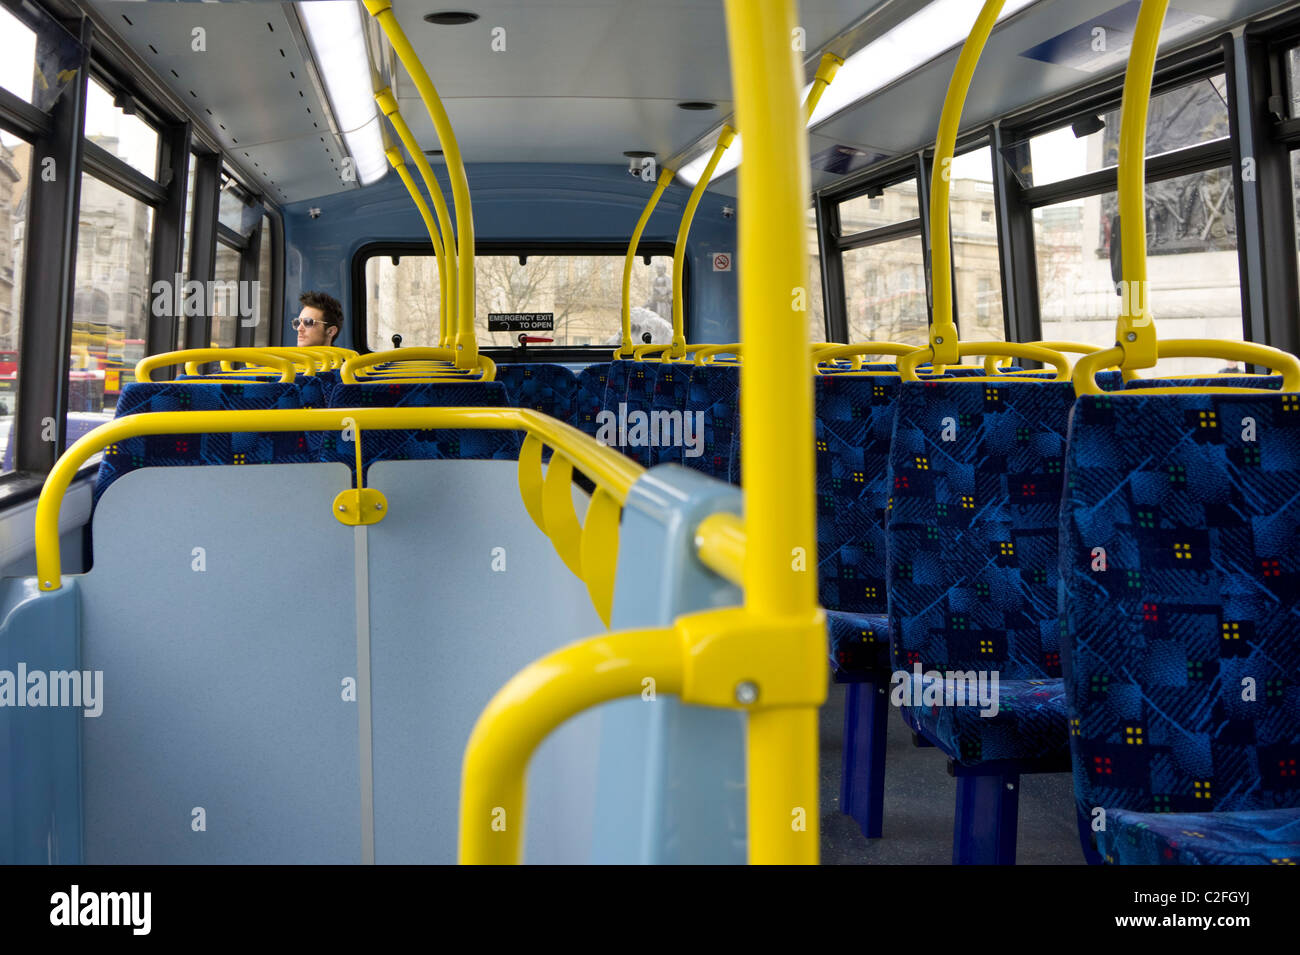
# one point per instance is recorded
(329, 307)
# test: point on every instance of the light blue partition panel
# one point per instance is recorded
(40, 753)
(223, 686)
(447, 632)
(672, 777)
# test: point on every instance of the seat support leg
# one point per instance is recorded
(984, 832)
(862, 776)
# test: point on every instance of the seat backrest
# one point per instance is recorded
(855, 423)
(170, 450)
(550, 389)
(672, 390)
(394, 445)
(975, 474)
(1273, 382)
(715, 390)
(1180, 573)
(590, 398)
(639, 400)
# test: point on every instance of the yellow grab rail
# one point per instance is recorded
(1283, 363)
(720, 544)
(665, 177)
(466, 345)
(705, 353)
(1135, 332)
(612, 473)
(943, 330)
(439, 249)
(725, 139)
(418, 354)
(826, 70)
(304, 359)
(993, 363)
(857, 349)
(535, 703)
(907, 364)
(253, 356)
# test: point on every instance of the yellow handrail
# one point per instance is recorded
(466, 345)
(1135, 332)
(857, 349)
(486, 365)
(665, 177)
(1283, 363)
(907, 364)
(613, 473)
(304, 359)
(943, 330)
(535, 702)
(706, 352)
(439, 250)
(720, 544)
(826, 70)
(253, 356)
(683, 231)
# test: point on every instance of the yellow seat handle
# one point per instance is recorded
(1281, 362)
(252, 356)
(907, 364)
(486, 366)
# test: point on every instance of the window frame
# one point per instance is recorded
(562, 353)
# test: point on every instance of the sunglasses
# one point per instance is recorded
(306, 323)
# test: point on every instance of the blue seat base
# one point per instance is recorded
(1258, 837)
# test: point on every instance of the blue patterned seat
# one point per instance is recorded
(639, 398)
(394, 445)
(1273, 382)
(975, 473)
(715, 390)
(550, 389)
(590, 398)
(171, 450)
(1180, 568)
(671, 393)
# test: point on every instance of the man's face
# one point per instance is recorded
(317, 333)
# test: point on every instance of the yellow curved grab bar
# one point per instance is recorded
(439, 250)
(486, 365)
(641, 352)
(943, 331)
(725, 139)
(706, 352)
(826, 70)
(992, 363)
(1135, 334)
(907, 364)
(466, 345)
(665, 177)
(613, 473)
(535, 703)
(1283, 363)
(303, 359)
(253, 356)
(858, 349)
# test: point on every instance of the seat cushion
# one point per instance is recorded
(1251, 837)
(1025, 718)
(859, 644)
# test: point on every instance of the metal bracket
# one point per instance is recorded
(364, 506)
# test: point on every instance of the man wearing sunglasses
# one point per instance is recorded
(320, 320)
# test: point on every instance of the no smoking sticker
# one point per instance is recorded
(722, 262)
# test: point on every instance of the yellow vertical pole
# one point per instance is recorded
(776, 409)
(830, 65)
(665, 177)
(1135, 330)
(466, 346)
(683, 231)
(943, 330)
(395, 160)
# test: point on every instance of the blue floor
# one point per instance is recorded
(920, 798)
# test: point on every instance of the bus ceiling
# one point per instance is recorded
(285, 90)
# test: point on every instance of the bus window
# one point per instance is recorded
(111, 306)
(977, 282)
(129, 138)
(577, 290)
(884, 292)
(17, 66)
(817, 330)
(225, 322)
(265, 313)
(15, 170)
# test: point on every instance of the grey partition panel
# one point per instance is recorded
(465, 591)
(221, 609)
